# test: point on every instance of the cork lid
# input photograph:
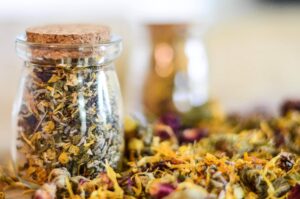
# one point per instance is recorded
(61, 41)
(68, 34)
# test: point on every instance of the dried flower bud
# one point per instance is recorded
(252, 179)
(192, 135)
(41, 194)
(164, 132)
(58, 177)
(105, 180)
(82, 181)
(286, 161)
(47, 191)
(295, 192)
(281, 186)
(63, 158)
(48, 127)
(171, 120)
(161, 190)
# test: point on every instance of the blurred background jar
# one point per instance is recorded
(177, 77)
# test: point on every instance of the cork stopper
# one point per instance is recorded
(68, 34)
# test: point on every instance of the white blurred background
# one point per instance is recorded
(252, 46)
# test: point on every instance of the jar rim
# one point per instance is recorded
(22, 39)
(101, 53)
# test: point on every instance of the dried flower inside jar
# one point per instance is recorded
(68, 112)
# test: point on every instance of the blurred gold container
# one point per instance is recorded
(177, 77)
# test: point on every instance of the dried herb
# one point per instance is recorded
(225, 163)
(286, 161)
(281, 186)
(69, 117)
(295, 192)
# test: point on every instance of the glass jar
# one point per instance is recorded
(68, 112)
(177, 79)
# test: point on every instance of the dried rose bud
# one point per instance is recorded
(192, 135)
(161, 190)
(47, 191)
(295, 192)
(171, 120)
(105, 180)
(129, 183)
(79, 180)
(82, 181)
(41, 194)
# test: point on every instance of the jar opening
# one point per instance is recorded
(100, 53)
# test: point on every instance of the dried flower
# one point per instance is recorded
(192, 135)
(42, 194)
(47, 191)
(238, 163)
(295, 192)
(63, 158)
(172, 120)
(286, 161)
(64, 120)
(252, 179)
(161, 190)
(74, 150)
(48, 127)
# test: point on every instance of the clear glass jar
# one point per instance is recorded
(68, 112)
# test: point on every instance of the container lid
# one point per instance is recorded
(61, 41)
(68, 34)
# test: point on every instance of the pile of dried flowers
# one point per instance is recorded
(201, 154)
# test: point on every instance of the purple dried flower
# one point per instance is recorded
(129, 182)
(192, 135)
(82, 181)
(172, 120)
(163, 134)
(32, 121)
(44, 76)
(161, 190)
(105, 179)
(295, 192)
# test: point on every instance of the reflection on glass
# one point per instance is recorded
(178, 75)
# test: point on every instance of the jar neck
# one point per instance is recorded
(71, 63)
(79, 55)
